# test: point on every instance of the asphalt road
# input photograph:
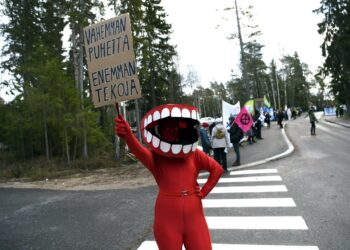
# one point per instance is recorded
(43, 219)
(317, 175)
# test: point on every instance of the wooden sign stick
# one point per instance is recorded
(117, 108)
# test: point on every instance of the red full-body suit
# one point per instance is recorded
(179, 217)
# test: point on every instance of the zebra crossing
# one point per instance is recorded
(262, 196)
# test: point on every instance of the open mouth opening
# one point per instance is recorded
(171, 129)
(184, 131)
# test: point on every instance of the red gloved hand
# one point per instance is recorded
(199, 192)
(123, 130)
(122, 127)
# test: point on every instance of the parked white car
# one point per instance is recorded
(218, 119)
(208, 120)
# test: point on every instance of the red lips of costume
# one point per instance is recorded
(170, 130)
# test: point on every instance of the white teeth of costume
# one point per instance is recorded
(165, 113)
(187, 148)
(145, 124)
(149, 136)
(186, 113)
(149, 119)
(164, 146)
(176, 148)
(175, 112)
(194, 115)
(194, 146)
(155, 141)
(156, 116)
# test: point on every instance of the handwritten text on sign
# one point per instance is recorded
(111, 61)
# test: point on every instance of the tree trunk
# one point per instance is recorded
(75, 148)
(75, 55)
(116, 138)
(81, 78)
(116, 148)
(278, 91)
(77, 48)
(244, 72)
(46, 137)
(153, 92)
(66, 144)
(138, 120)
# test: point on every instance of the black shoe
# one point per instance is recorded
(236, 164)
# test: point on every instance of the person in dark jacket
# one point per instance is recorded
(267, 119)
(236, 134)
(211, 126)
(280, 118)
(257, 124)
(205, 141)
(312, 119)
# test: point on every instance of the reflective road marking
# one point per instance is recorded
(259, 202)
(250, 189)
(257, 222)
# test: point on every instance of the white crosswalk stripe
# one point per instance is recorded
(150, 245)
(260, 202)
(228, 194)
(254, 171)
(257, 222)
(246, 179)
(250, 189)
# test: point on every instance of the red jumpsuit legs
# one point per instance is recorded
(179, 217)
(180, 220)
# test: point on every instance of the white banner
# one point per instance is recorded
(229, 110)
(329, 111)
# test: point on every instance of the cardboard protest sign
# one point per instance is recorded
(111, 61)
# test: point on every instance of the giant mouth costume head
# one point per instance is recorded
(171, 130)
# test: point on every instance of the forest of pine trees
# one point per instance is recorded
(52, 117)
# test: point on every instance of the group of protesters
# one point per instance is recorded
(217, 139)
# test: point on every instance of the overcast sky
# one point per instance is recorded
(287, 26)
(201, 27)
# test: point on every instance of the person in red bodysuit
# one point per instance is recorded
(170, 131)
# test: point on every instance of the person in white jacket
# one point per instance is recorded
(220, 140)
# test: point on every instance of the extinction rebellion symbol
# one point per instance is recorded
(245, 119)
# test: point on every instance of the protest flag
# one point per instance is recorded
(266, 102)
(244, 120)
(249, 105)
